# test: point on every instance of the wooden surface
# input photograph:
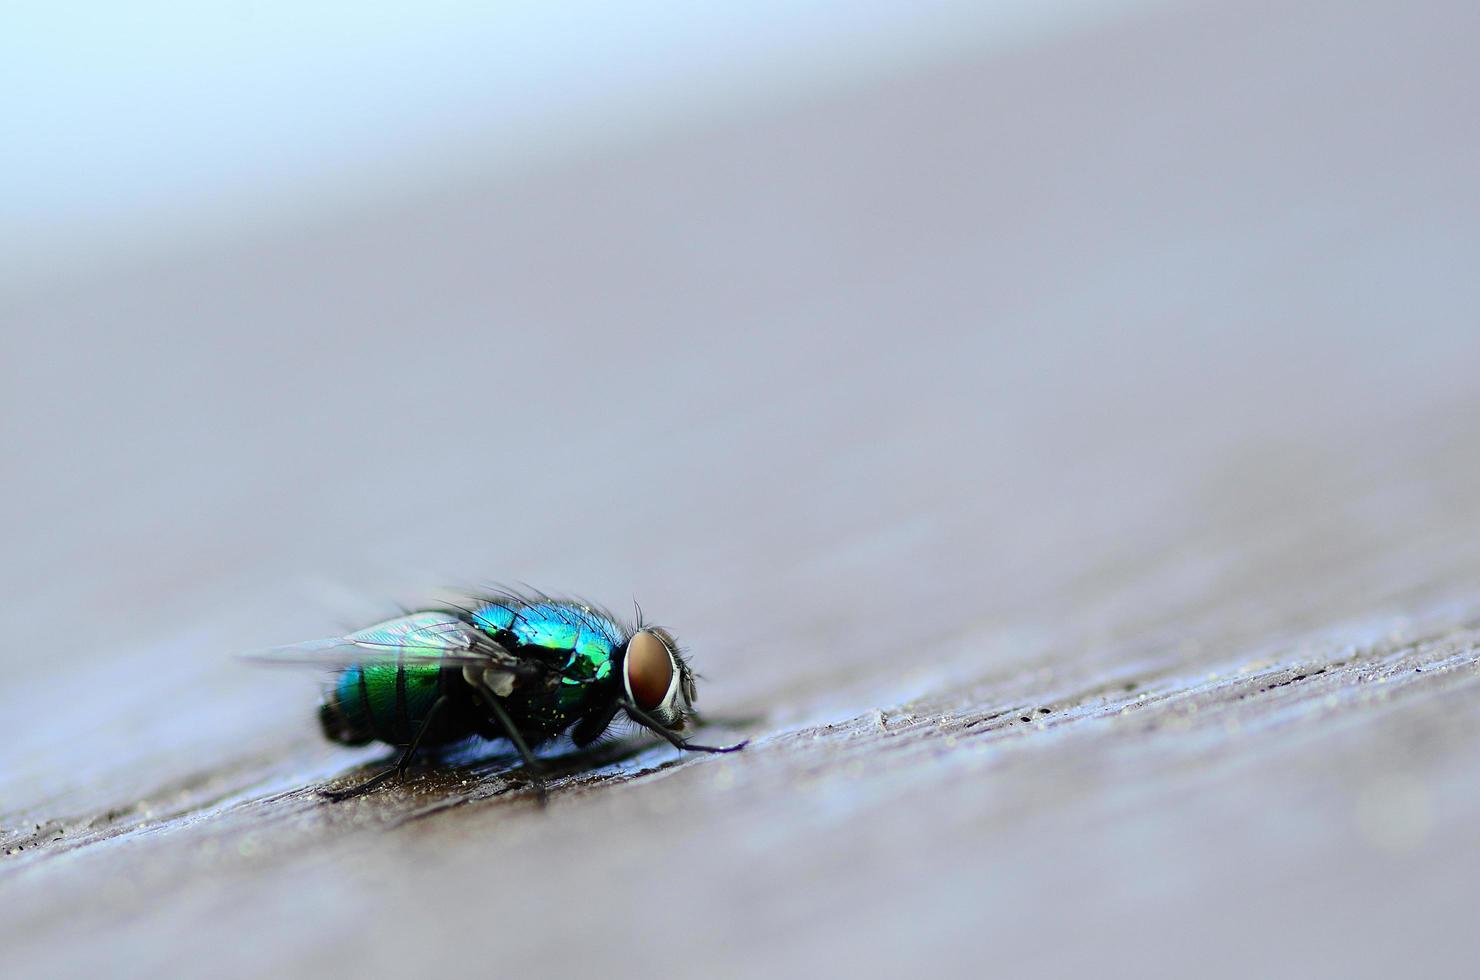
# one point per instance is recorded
(1061, 464)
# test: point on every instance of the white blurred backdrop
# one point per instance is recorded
(143, 125)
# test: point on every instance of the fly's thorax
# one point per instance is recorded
(559, 651)
(655, 677)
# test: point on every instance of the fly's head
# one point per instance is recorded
(656, 679)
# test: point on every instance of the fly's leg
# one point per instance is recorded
(531, 764)
(652, 724)
(399, 769)
(340, 795)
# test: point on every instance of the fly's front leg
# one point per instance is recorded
(674, 739)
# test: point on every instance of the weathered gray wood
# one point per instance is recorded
(1067, 457)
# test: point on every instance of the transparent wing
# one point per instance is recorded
(421, 638)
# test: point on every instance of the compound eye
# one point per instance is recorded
(649, 670)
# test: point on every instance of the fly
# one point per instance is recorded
(525, 669)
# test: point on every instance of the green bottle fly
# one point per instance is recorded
(525, 669)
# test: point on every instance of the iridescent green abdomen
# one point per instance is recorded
(387, 702)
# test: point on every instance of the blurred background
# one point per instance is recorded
(880, 349)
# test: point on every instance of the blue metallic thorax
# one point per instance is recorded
(585, 643)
